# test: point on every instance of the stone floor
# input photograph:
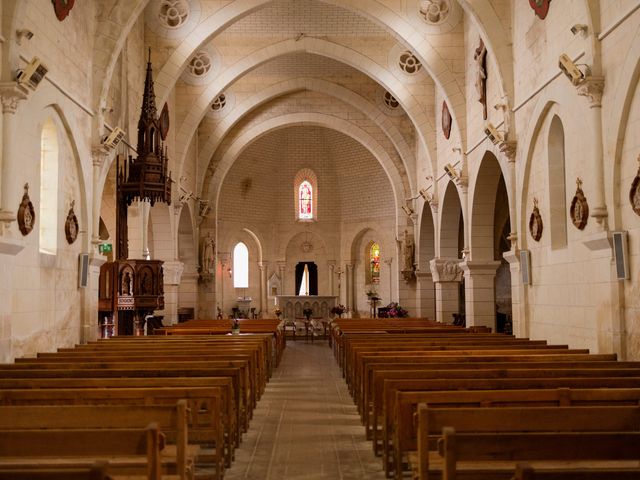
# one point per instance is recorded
(306, 425)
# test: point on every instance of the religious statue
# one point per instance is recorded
(126, 284)
(409, 251)
(207, 261)
(480, 57)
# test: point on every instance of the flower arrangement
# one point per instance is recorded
(307, 312)
(338, 310)
(393, 310)
(277, 312)
(235, 326)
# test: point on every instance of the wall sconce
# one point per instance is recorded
(229, 272)
(407, 210)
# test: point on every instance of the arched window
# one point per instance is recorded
(374, 263)
(372, 260)
(240, 266)
(48, 218)
(557, 185)
(305, 196)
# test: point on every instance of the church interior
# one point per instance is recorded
(316, 174)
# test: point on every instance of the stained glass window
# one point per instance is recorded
(305, 197)
(374, 262)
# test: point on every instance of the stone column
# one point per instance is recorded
(349, 289)
(389, 262)
(90, 319)
(518, 296)
(592, 88)
(99, 156)
(281, 270)
(447, 275)
(11, 94)
(426, 295)
(264, 305)
(480, 293)
(332, 267)
(172, 275)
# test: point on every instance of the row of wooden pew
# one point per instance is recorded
(153, 407)
(447, 402)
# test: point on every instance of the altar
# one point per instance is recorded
(293, 305)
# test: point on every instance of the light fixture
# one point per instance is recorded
(32, 74)
(579, 28)
(570, 69)
(23, 33)
(453, 175)
(492, 133)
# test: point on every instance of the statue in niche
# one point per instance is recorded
(409, 251)
(480, 56)
(145, 284)
(207, 260)
(126, 284)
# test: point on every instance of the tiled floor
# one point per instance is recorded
(306, 425)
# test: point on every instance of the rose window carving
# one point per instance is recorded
(390, 101)
(200, 64)
(434, 11)
(174, 13)
(409, 63)
(219, 103)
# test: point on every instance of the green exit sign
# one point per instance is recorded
(105, 248)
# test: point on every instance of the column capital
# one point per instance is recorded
(172, 272)
(509, 147)
(446, 270)
(592, 88)
(470, 267)
(11, 93)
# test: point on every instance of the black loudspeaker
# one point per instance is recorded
(621, 255)
(525, 266)
(83, 270)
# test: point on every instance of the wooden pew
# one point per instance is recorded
(524, 471)
(503, 435)
(128, 450)
(204, 406)
(97, 471)
(404, 431)
(172, 421)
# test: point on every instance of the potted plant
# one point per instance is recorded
(235, 327)
(277, 312)
(338, 310)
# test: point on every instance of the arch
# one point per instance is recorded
(426, 250)
(237, 147)
(629, 77)
(557, 184)
(394, 23)
(483, 207)
(187, 248)
(423, 123)
(300, 235)
(49, 170)
(289, 86)
(257, 242)
(451, 223)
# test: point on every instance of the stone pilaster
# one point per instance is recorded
(172, 276)
(426, 295)
(480, 293)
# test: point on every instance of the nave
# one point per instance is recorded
(306, 425)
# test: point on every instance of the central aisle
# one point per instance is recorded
(306, 425)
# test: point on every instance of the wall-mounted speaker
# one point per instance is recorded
(621, 255)
(525, 266)
(83, 270)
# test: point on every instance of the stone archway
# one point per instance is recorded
(426, 252)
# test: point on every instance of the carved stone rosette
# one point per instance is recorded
(579, 210)
(634, 193)
(535, 222)
(71, 225)
(26, 213)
